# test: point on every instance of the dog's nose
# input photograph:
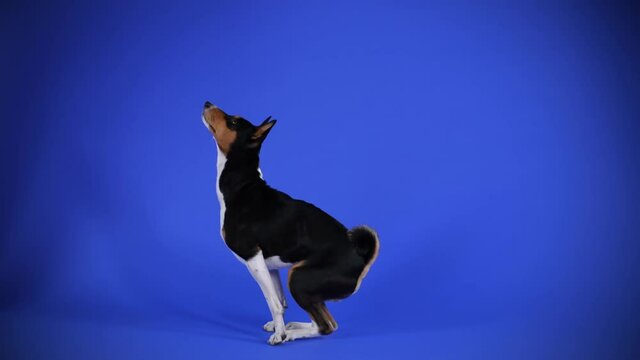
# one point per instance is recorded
(207, 105)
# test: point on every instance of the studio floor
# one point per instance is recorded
(235, 336)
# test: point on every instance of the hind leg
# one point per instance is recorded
(292, 325)
(310, 330)
(295, 325)
(321, 316)
(310, 287)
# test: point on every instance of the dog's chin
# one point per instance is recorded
(204, 121)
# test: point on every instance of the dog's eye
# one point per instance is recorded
(234, 121)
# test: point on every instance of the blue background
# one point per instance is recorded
(495, 148)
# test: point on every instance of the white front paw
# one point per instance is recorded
(269, 326)
(277, 338)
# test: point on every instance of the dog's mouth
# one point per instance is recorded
(208, 107)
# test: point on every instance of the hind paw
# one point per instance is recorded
(294, 325)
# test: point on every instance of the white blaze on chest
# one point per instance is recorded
(222, 160)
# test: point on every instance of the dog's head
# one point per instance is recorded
(234, 133)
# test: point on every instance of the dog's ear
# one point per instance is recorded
(263, 130)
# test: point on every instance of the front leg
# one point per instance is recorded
(258, 269)
(275, 277)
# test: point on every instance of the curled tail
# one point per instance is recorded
(366, 244)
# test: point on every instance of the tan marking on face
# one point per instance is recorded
(217, 124)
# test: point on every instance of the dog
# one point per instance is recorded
(268, 230)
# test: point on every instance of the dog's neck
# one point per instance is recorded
(233, 174)
(222, 160)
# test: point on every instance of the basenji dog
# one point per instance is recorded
(268, 230)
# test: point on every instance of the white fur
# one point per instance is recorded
(206, 123)
(302, 333)
(296, 330)
(274, 263)
(258, 269)
(222, 160)
(292, 325)
(275, 277)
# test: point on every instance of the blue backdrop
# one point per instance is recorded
(495, 148)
